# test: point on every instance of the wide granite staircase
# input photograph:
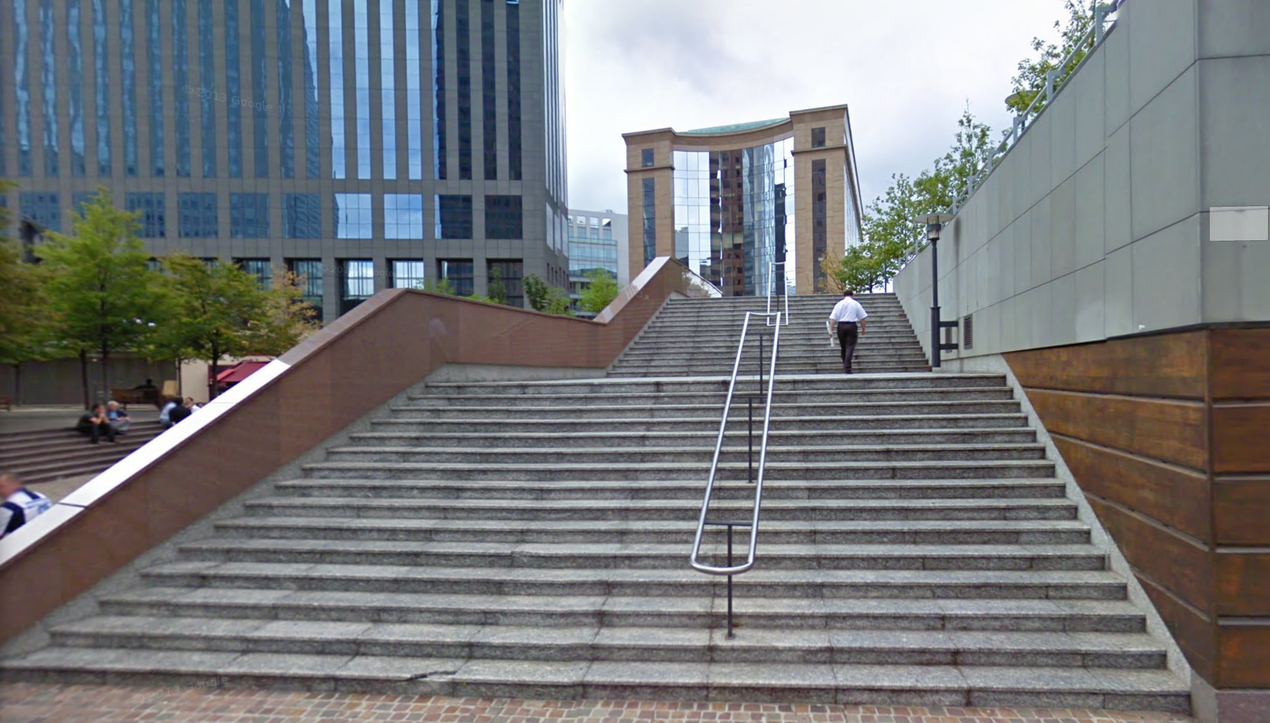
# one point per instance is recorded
(531, 539)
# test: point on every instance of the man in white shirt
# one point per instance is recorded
(848, 318)
(18, 505)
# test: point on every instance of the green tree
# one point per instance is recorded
(536, 292)
(495, 291)
(1031, 80)
(558, 302)
(287, 317)
(599, 292)
(443, 286)
(25, 322)
(103, 294)
(217, 310)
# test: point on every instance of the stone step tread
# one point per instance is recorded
(678, 466)
(927, 484)
(801, 607)
(603, 381)
(915, 404)
(276, 572)
(772, 449)
(544, 549)
(612, 637)
(1113, 687)
(592, 423)
(687, 526)
(704, 434)
(352, 503)
(604, 395)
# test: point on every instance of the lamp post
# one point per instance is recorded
(934, 224)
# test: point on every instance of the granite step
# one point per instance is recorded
(780, 395)
(844, 424)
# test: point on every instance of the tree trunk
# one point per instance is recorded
(105, 373)
(211, 381)
(83, 377)
(17, 384)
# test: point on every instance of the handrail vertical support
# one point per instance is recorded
(730, 634)
(750, 436)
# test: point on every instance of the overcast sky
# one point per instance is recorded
(906, 68)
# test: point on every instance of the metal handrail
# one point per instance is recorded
(771, 278)
(731, 570)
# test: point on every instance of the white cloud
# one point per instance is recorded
(906, 68)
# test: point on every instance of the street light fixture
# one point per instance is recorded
(934, 225)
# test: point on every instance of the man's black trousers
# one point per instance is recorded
(848, 335)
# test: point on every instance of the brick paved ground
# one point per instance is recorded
(30, 703)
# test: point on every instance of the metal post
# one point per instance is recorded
(751, 439)
(760, 361)
(729, 581)
(934, 305)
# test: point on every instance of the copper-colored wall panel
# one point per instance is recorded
(1244, 660)
(343, 372)
(1191, 628)
(1241, 511)
(1171, 431)
(1243, 583)
(1241, 439)
(1241, 363)
(1173, 495)
(1171, 365)
(1178, 563)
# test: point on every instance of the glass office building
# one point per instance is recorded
(751, 206)
(346, 138)
(597, 241)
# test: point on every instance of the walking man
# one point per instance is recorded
(848, 318)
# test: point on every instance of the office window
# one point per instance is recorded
(51, 147)
(513, 92)
(234, 89)
(646, 157)
(454, 217)
(101, 72)
(286, 106)
(249, 215)
(259, 268)
(196, 215)
(650, 220)
(388, 89)
(361, 87)
(818, 137)
(22, 85)
(510, 272)
(301, 215)
(207, 75)
(489, 97)
(312, 120)
(75, 56)
(403, 216)
(308, 274)
(259, 88)
(79, 200)
(353, 215)
(181, 83)
(440, 143)
(503, 217)
(339, 134)
(463, 56)
(407, 274)
(459, 272)
(357, 282)
(154, 67)
(414, 94)
(153, 213)
(44, 209)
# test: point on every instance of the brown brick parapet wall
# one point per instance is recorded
(1169, 438)
(343, 372)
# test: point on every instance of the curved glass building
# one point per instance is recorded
(366, 144)
(731, 200)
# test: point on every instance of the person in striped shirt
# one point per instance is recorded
(20, 505)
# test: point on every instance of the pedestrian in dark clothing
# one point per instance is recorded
(95, 424)
(179, 412)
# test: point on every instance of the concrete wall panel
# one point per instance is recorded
(1115, 50)
(1090, 219)
(1234, 103)
(1234, 282)
(1041, 254)
(1062, 230)
(1162, 44)
(1090, 303)
(1119, 191)
(1089, 87)
(1164, 156)
(1062, 126)
(1166, 278)
(1232, 28)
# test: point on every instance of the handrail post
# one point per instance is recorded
(750, 437)
(730, 580)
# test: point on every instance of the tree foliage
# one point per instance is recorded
(1031, 80)
(287, 318)
(545, 298)
(102, 293)
(495, 290)
(600, 292)
(25, 322)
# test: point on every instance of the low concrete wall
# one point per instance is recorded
(338, 375)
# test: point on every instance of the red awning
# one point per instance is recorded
(239, 372)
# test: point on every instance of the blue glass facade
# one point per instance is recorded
(361, 70)
(403, 216)
(101, 78)
(388, 89)
(504, 217)
(463, 69)
(354, 217)
(339, 140)
(312, 110)
(233, 89)
(301, 215)
(44, 209)
(181, 81)
(454, 217)
(22, 85)
(286, 109)
(207, 80)
(128, 66)
(75, 61)
(489, 88)
(650, 220)
(196, 215)
(48, 28)
(249, 215)
(414, 94)
(154, 68)
(152, 219)
(440, 147)
(259, 90)
(514, 153)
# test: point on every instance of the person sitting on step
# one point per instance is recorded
(95, 423)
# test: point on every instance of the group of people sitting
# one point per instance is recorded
(111, 419)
